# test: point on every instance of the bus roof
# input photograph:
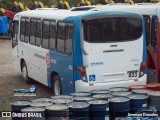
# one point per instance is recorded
(54, 13)
(58, 14)
(140, 9)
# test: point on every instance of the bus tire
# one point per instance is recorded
(25, 73)
(56, 85)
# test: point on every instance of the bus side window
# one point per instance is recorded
(27, 30)
(45, 34)
(38, 32)
(154, 31)
(15, 33)
(22, 29)
(147, 28)
(52, 34)
(64, 37)
(61, 37)
(33, 31)
(69, 37)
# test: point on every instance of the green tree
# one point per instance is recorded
(30, 3)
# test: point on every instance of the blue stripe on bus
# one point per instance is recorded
(144, 45)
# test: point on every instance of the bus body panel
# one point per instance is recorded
(83, 86)
(78, 59)
(63, 65)
(108, 66)
(16, 59)
(35, 61)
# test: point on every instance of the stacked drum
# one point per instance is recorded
(119, 107)
(99, 106)
(99, 110)
(154, 99)
(17, 106)
(138, 102)
(114, 103)
(119, 104)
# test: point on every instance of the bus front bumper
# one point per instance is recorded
(81, 86)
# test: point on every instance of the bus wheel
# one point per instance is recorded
(25, 73)
(56, 85)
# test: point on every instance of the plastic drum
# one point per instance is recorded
(17, 106)
(99, 110)
(138, 102)
(57, 112)
(154, 99)
(119, 107)
(79, 110)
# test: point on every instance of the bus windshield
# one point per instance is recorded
(112, 29)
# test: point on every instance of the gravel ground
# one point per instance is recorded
(10, 80)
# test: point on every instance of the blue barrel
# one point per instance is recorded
(34, 113)
(18, 106)
(42, 100)
(138, 102)
(41, 104)
(140, 91)
(57, 112)
(3, 24)
(119, 107)
(99, 110)
(81, 94)
(93, 92)
(121, 93)
(61, 101)
(154, 99)
(82, 99)
(61, 97)
(116, 89)
(102, 96)
(79, 110)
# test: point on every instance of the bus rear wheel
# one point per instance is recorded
(25, 73)
(56, 85)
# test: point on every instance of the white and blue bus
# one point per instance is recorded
(79, 51)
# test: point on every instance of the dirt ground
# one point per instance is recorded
(10, 80)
